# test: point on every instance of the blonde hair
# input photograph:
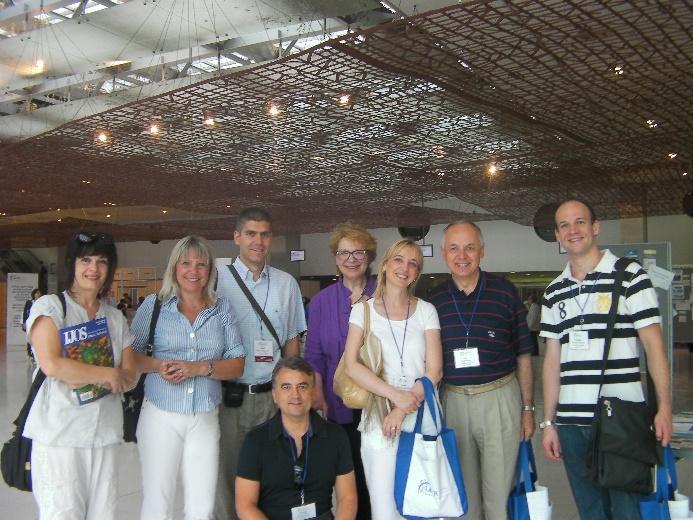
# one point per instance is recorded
(355, 233)
(392, 251)
(200, 247)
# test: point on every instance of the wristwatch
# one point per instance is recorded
(210, 369)
(544, 424)
(527, 407)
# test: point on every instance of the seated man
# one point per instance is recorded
(289, 465)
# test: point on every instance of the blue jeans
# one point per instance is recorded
(593, 502)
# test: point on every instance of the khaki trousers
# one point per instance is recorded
(234, 423)
(487, 427)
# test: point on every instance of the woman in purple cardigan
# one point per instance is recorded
(354, 249)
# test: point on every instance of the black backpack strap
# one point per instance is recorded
(63, 303)
(152, 325)
(256, 306)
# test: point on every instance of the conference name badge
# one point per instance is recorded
(603, 303)
(264, 351)
(303, 512)
(466, 357)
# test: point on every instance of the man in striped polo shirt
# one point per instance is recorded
(574, 315)
(485, 344)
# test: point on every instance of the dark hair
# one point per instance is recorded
(33, 293)
(88, 244)
(252, 213)
(293, 363)
(593, 215)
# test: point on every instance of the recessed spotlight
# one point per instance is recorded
(102, 136)
(108, 215)
(651, 123)
(684, 173)
(492, 169)
(273, 110)
(164, 211)
(153, 129)
(60, 220)
(344, 99)
(672, 155)
(618, 70)
(209, 121)
(228, 205)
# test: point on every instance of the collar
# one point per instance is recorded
(316, 426)
(605, 266)
(244, 271)
(453, 285)
(368, 289)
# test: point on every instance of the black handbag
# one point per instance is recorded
(132, 399)
(15, 457)
(623, 447)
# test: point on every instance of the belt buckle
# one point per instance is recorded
(251, 388)
(467, 391)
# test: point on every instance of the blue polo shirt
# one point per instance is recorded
(498, 328)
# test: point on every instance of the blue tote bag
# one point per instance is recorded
(528, 500)
(666, 502)
(428, 478)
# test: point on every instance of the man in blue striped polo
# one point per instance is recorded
(574, 314)
(248, 402)
(487, 374)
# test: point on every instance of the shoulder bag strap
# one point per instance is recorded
(152, 325)
(256, 306)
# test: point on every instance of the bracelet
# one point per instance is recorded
(527, 407)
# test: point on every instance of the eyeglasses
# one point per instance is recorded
(88, 238)
(359, 254)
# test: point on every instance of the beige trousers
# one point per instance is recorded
(487, 427)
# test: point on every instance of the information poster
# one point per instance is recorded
(19, 287)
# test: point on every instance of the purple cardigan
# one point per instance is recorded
(328, 325)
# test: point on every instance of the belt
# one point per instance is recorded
(254, 388)
(482, 388)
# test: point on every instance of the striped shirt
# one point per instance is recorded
(566, 303)
(277, 292)
(212, 336)
(498, 328)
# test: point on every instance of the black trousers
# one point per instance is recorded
(364, 511)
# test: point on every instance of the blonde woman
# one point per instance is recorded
(409, 332)
(196, 346)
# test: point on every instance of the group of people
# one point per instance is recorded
(253, 430)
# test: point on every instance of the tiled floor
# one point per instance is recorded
(17, 505)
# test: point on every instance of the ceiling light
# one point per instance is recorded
(164, 211)
(108, 215)
(228, 205)
(102, 136)
(684, 173)
(273, 109)
(153, 129)
(38, 67)
(209, 121)
(492, 169)
(464, 64)
(318, 158)
(618, 70)
(344, 99)
(651, 123)
(60, 220)
(672, 155)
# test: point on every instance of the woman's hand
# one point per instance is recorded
(118, 380)
(392, 423)
(406, 400)
(176, 371)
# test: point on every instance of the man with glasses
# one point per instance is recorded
(290, 465)
(276, 295)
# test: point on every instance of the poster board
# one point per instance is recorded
(682, 301)
(19, 287)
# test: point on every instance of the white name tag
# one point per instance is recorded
(404, 382)
(303, 512)
(466, 357)
(264, 351)
(578, 340)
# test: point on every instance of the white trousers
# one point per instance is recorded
(74, 483)
(170, 443)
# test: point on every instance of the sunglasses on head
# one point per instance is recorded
(88, 238)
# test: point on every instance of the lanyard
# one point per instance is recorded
(577, 301)
(342, 297)
(467, 328)
(264, 305)
(404, 338)
(294, 461)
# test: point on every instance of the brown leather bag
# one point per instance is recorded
(371, 356)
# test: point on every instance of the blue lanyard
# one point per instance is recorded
(467, 328)
(294, 460)
(404, 338)
(582, 307)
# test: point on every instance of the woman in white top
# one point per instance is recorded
(409, 332)
(73, 457)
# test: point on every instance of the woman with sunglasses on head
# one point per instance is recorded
(409, 332)
(354, 249)
(76, 420)
(196, 346)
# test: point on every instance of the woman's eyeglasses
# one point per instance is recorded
(88, 238)
(359, 254)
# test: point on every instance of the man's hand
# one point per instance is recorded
(527, 425)
(551, 444)
(663, 426)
